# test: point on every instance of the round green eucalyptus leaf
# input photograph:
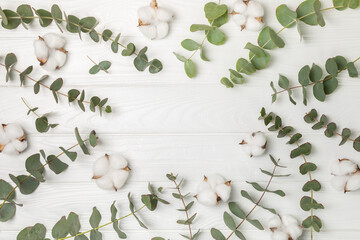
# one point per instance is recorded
(7, 212)
(304, 75)
(72, 24)
(45, 17)
(105, 65)
(73, 223)
(60, 229)
(216, 36)
(269, 39)
(306, 12)
(243, 66)
(5, 189)
(353, 72)
(307, 167)
(330, 84)
(236, 77)
(190, 68)
(217, 235)
(190, 45)
(130, 49)
(87, 23)
(42, 124)
(37, 232)
(57, 84)
(73, 94)
(56, 13)
(199, 27)
(356, 144)
(25, 13)
(341, 62)
(315, 73)
(27, 184)
(95, 69)
(13, 19)
(319, 91)
(141, 62)
(94, 36)
(286, 17)
(220, 20)
(106, 35)
(213, 10)
(226, 82)
(312, 185)
(259, 62)
(331, 67)
(155, 66)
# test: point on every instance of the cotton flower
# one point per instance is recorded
(254, 144)
(154, 21)
(346, 175)
(111, 171)
(213, 189)
(50, 52)
(248, 14)
(284, 228)
(12, 139)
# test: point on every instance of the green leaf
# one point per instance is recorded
(256, 223)
(306, 12)
(285, 16)
(27, 185)
(115, 44)
(246, 195)
(216, 234)
(304, 149)
(229, 221)
(35, 167)
(57, 84)
(73, 223)
(314, 222)
(356, 144)
(73, 94)
(114, 211)
(199, 27)
(294, 138)
(312, 185)
(61, 228)
(141, 61)
(214, 11)
(306, 203)
(311, 116)
(81, 142)
(236, 77)
(346, 133)
(24, 74)
(259, 62)
(243, 66)
(10, 61)
(190, 45)
(132, 209)
(71, 155)
(95, 235)
(319, 91)
(304, 75)
(283, 82)
(285, 131)
(216, 36)
(95, 218)
(95, 69)
(4, 20)
(341, 62)
(257, 51)
(106, 35)
(257, 187)
(236, 210)
(274, 96)
(72, 25)
(315, 73)
(273, 175)
(26, 13)
(190, 68)
(105, 65)
(150, 201)
(330, 129)
(155, 66)
(330, 84)
(56, 13)
(180, 57)
(225, 81)
(45, 17)
(307, 167)
(220, 20)
(331, 67)
(7, 212)
(5, 189)
(11, 19)
(269, 39)
(87, 24)
(319, 16)
(353, 72)
(93, 139)
(129, 50)
(37, 232)
(56, 165)
(42, 124)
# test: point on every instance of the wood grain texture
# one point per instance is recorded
(168, 123)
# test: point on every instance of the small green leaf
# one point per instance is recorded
(199, 27)
(246, 195)
(45, 17)
(331, 67)
(353, 72)
(356, 144)
(115, 44)
(56, 165)
(190, 68)
(330, 84)
(307, 167)
(215, 36)
(306, 12)
(260, 62)
(315, 73)
(61, 229)
(73, 223)
(314, 222)
(129, 50)
(319, 91)
(346, 133)
(57, 84)
(304, 75)
(71, 155)
(106, 35)
(257, 187)
(312, 185)
(216, 234)
(243, 66)
(306, 203)
(330, 129)
(7, 212)
(285, 16)
(214, 11)
(95, 218)
(150, 201)
(155, 66)
(294, 138)
(236, 210)
(236, 77)
(11, 19)
(226, 82)
(229, 221)
(81, 142)
(190, 45)
(87, 24)
(304, 149)
(269, 39)
(73, 94)
(114, 211)
(27, 185)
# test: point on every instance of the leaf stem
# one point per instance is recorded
(30, 108)
(186, 211)
(47, 162)
(257, 203)
(312, 83)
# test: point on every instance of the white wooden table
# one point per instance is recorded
(168, 123)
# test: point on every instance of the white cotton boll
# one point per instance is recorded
(41, 50)
(60, 58)
(207, 198)
(14, 131)
(105, 183)
(101, 166)
(10, 149)
(254, 144)
(223, 191)
(353, 183)
(3, 137)
(289, 220)
(279, 236)
(20, 146)
(146, 14)
(255, 9)
(149, 31)
(162, 30)
(294, 231)
(343, 167)
(239, 19)
(240, 7)
(164, 14)
(51, 64)
(253, 24)
(339, 182)
(117, 162)
(275, 222)
(119, 178)
(203, 186)
(54, 41)
(214, 180)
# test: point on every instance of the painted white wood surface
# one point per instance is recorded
(168, 123)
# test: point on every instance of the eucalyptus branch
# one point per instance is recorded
(25, 15)
(330, 128)
(27, 184)
(309, 12)
(72, 96)
(313, 76)
(69, 227)
(103, 65)
(217, 15)
(186, 207)
(302, 150)
(42, 123)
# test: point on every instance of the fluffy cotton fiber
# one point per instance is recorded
(12, 139)
(111, 172)
(50, 52)
(213, 189)
(248, 14)
(154, 21)
(346, 175)
(254, 144)
(284, 228)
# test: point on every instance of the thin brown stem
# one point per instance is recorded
(186, 211)
(256, 204)
(47, 162)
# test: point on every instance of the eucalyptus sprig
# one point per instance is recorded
(55, 87)
(25, 14)
(186, 207)
(307, 203)
(238, 212)
(69, 227)
(27, 184)
(308, 12)
(217, 15)
(330, 129)
(101, 66)
(322, 86)
(42, 124)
